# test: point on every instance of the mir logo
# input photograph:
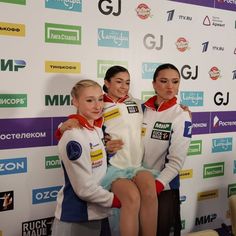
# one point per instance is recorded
(11, 65)
(205, 46)
(58, 100)
(205, 219)
(43, 195)
(13, 166)
(170, 15)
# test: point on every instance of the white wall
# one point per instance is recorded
(29, 114)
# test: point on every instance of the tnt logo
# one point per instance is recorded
(11, 65)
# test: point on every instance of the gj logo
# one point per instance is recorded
(220, 99)
(12, 65)
(43, 195)
(188, 73)
(150, 42)
(13, 166)
(109, 8)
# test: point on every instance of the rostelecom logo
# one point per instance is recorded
(12, 29)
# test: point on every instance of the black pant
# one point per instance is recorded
(105, 228)
(169, 213)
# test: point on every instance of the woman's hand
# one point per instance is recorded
(69, 124)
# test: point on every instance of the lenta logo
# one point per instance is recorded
(58, 33)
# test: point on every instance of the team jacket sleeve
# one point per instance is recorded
(76, 160)
(179, 143)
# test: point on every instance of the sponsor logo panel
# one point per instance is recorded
(145, 95)
(37, 227)
(208, 195)
(6, 201)
(43, 195)
(148, 69)
(58, 33)
(13, 166)
(11, 29)
(12, 65)
(201, 122)
(213, 170)
(25, 132)
(186, 174)
(192, 98)
(206, 219)
(52, 162)
(13, 100)
(113, 38)
(195, 148)
(231, 189)
(222, 145)
(71, 5)
(103, 65)
(223, 122)
(62, 67)
(20, 2)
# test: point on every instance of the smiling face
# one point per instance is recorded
(118, 86)
(89, 103)
(166, 84)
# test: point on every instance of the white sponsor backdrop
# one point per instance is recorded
(150, 40)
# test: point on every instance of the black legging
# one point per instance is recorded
(169, 213)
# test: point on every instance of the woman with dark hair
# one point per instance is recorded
(166, 138)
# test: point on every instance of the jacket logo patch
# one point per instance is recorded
(132, 109)
(111, 114)
(160, 135)
(161, 131)
(96, 158)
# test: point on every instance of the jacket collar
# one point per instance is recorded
(106, 98)
(163, 106)
(83, 122)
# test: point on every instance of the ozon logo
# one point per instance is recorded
(43, 195)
